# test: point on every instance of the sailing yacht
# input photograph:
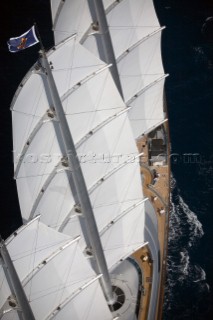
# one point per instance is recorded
(91, 146)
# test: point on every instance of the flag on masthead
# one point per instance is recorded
(24, 41)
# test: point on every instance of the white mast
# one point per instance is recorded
(107, 53)
(15, 284)
(85, 204)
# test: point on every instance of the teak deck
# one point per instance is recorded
(158, 193)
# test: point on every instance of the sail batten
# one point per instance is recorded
(59, 256)
(48, 259)
(18, 158)
(95, 307)
(138, 43)
(121, 215)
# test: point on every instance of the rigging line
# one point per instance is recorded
(92, 111)
(102, 66)
(112, 6)
(140, 12)
(69, 74)
(106, 122)
(122, 214)
(57, 288)
(34, 176)
(83, 9)
(137, 44)
(98, 98)
(26, 254)
(97, 102)
(115, 144)
(138, 243)
(109, 227)
(70, 215)
(138, 226)
(27, 144)
(90, 305)
(111, 172)
(26, 114)
(158, 97)
(41, 122)
(72, 296)
(49, 259)
(106, 138)
(83, 81)
(19, 89)
(118, 202)
(125, 256)
(131, 27)
(129, 186)
(68, 274)
(33, 256)
(57, 170)
(1, 269)
(141, 74)
(53, 289)
(137, 169)
(145, 119)
(131, 35)
(125, 123)
(44, 187)
(80, 67)
(62, 31)
(19, 230)
(57, 14)
(99, 181)
(35, 109)
(37, 186)
(67, 189)
(141, 91)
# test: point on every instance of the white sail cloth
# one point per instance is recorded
(55, 275)
(70, 17)
(136, 39)
(98, 121)
(103, 129)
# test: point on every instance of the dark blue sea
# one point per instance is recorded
(187, 49)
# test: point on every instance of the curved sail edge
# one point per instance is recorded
(45, 187)
(69, 18)
(104, 151)
(147, 110)
(69, 273)
(32, 101)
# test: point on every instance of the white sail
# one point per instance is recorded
(70, 17)
(54, 8)
(129, 22)
(98, 120)
(10, 315)
(103, 124)
(152, 114)
(136, 39)
(53, 272)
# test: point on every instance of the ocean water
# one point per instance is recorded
(187, 286)
(187, 51)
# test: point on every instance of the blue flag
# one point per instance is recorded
(24, 41)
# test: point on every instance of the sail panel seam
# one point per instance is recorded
(135, 45)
